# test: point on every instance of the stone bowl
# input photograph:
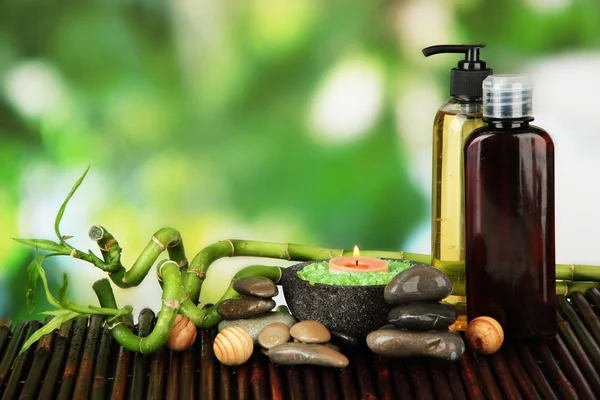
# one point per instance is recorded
(353, 310)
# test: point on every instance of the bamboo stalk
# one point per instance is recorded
(11, 351)
(295, 386)
(258, 379)
(243, 382)
(186, 390)
(454, 381)
(156, 378)
(101, 368)
(382, 375)
(5, 325)
(491, 390)
(14, 382)
(226, 383)
(123, 364)
(441, 388)
(504, 376)
(589, 316)
(363, 376)
(571, 369)
(418, 377)
(564, 386)
(330, 391)
(140, 361)
(166, 318)
(59, 354)
(592, 348)
(535, 373)
(173, 376)
(469, 376)
(593, 296)
(401, 386)
(40, 358)
(525, 384)
(311, 382)
(207, 366)
(70, 372)
(86, 366)
(578, 352)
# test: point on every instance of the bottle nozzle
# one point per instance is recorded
(467, 78)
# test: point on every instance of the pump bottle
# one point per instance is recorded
(509, 212)
(457, 117)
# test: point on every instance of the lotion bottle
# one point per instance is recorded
(456, 118)
(509, 210)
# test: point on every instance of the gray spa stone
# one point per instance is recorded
(254, 325)
(259, 286)
(244, 307)
(418, 284)
(401, 343)
(307, 354)
(423, 316)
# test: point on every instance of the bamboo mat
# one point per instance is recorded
(81, 360)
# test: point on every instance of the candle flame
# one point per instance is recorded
(356, 251)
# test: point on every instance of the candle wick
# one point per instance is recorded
(357, 263)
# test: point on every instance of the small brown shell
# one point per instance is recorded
(233, 346)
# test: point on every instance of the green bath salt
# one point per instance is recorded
(319, 273)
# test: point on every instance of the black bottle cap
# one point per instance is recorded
(467, 79)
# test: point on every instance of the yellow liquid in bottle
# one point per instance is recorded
(452, 125)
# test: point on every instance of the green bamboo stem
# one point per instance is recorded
(166, 318)
(285, 251)
(164, 239)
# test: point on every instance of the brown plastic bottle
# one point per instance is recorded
(509, 214)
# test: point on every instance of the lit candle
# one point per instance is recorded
(357, 263)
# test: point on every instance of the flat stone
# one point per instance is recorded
(418, 284)
(346, 341)
(423, 316)
(307, 354)
(244, 307)
(273, 335)
(310, 332)
(254, 325)
(401, 343)
(259, 286)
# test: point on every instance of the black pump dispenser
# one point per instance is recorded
(466, 80)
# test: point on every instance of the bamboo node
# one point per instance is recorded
(232, 248)
(329, 254)
(198, 273)
(172, 304)
(287, 251)
(110, 327)
(107, 245)
(183, 263)
(158, 242)
(141, 350)
(342, 253)
(572, 268)
(74, 254)
(566, 288)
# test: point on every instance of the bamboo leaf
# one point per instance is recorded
(42, 275)
(44, 245)
(32, 278)
(61, 211)
(49, 327)
(62, 292)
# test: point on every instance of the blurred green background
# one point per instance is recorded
(294, 121)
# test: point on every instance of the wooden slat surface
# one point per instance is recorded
(81, 360)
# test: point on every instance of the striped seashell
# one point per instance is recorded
(233, 346)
